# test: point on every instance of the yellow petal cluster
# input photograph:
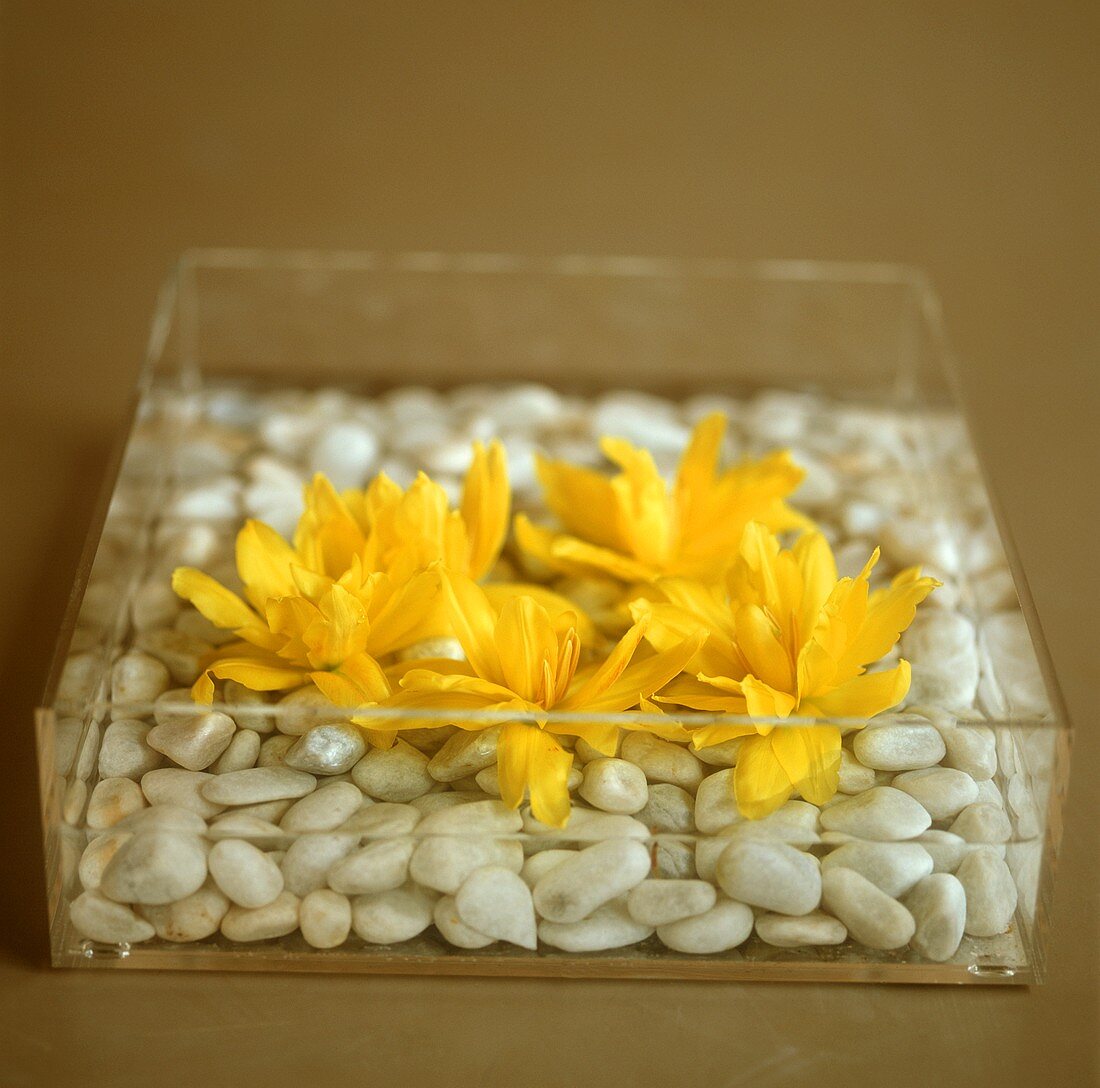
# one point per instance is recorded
(635, 528)
(785, 638)
(712, 613)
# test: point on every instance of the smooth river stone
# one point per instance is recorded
(938, 905)
(476, 818)
(947, 850)
(982, 822)
(870, 915)
(609, 926)
(155, 867)
(770, 875)
(942, 649)
(96, 855)
(614, 785)
(257, 785)
(323, 810)
(112, 800)
(277, 919)
(813, 929)
(125, 753)
(464, 754)
(137, 678)
(443, 862)
(854, 777)
(175, 786)
(193, 918)
(660, 902)
(376, 867)
(195, 743)
(324, 917)
(99, 919)
(273, 750)
(794, 822)
(382, 820)
(669, 809)
(243, 825)
(242, 753)
(990, 893)
(903, 747)
(453, 929)
(971, 749)
(941, 791)
(300, 711)
(724, 926)
(715, 805)
(392, 916)
(396, 774)
(495, 901)
(588, 825)
(164, 818)
(181, 653)
(310, 857)
(883, 813)
(328, 749)
(662, 761)
(895, 867)
(538, 865)
(244, 873)
(577, 887)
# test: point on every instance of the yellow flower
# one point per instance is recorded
(298, 625)
(403, 531)
(526, 659)
(785, 638)
(634, 528)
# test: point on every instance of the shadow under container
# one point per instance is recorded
(834, 348)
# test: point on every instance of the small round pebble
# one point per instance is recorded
(244, 873)
(614, 785)
(324, 917)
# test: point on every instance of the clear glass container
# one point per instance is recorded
(814, 343)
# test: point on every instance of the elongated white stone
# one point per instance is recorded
(175, 786)
(257, 785)
(990, 893)
(443, 862)
(194, 743)
(669, 809)
(938, 905)
(895, 867)
(310, 857)
(575, 888)
(941, 791)
(902, 747)
(609, 926)
(323, 810)
(244, 873)
(537, 865)
(382, 820)
(155, 867)
(112, 800)
(100, 919)
(138, 678)
(983, 822)
(770, 875)
(464, 754)
(715, 804)
(477, 818)
(453, 929)
(193, 918)
(660, 902)
(393, 916)
(242, 753)
(376, 867)
(971, 749)
(495, 901)
(870, 915)
(395, 774)
(328, 749)
(883, 813)
(724, 926)
(96, 855)
(813, 929)
(276, 919)
(124, 752)
(946, 849)
(662, 761)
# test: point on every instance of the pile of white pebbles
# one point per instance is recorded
(206, 827)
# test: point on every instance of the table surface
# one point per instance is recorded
(963, 138)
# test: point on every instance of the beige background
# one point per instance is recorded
(961, 137)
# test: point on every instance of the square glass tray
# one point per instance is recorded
(845, 365)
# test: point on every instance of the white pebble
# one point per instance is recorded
(394, 774)
(983, 822)
(376, 867)
(244, 873)
(124, 752)
(182, 654)
(912, 541)
(669, 809)
(715, 805)
(589, 825)
(96, 855)
(575, 888)
(112, 800)
(971, 749)
(854, 776)
(325, 918)
(770, 875)
(870, 915)
(990, 893)
(276, 919)
(242, 752)
(537, 865)
(323, 810)
(947, 850)
(165, 817)
(465, 753)
(328, 749)
(942, 792)
(310, 857)
(813, 929)
(903, 747)
(444, 862)
(662, 761)
(476, 818)
(193, 918)
(155, 867)
(883, 814)
(453, 929)
(495, 901)
(100, 919)
(256, 785)
(345, 453)
(383, 820)
(660, 902)
(895, 867)
(137, 679)
(942, 650)
(297, 712)
(155, 604)
(273, 750)
(392, 916)
(938, 906)
(609, 926)
(724, 926)
(195, 743)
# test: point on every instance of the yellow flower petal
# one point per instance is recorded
(863, 696)
(485, 507)
(760, 783)
(264, 560)
(258, 675)
(526, 645)
(474, 623)
(763, 701)
(582, 501)
(531, 758)
(810, 757)
(220, 606)
(554, 603)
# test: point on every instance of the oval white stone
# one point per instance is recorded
(195, 742)
(660, 902)
(392, 916)
(901, 747)
(394, 774)
(882, 813)
(495, 901)
(327, 749)
(193, 918)
(155, 867)
(257, 785)
(609, 926)
(244, 873)
(325, 918)
(771, 875)
(990, 893)
(276, 919)
(376, 867)
(813, 929)
(614, 785)
(577, 887)
(443, 862)
(323, 810)
(453, 929)
(724, 926)
(100, 919)
(941, 791)
(870, 915)
(938, 905)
